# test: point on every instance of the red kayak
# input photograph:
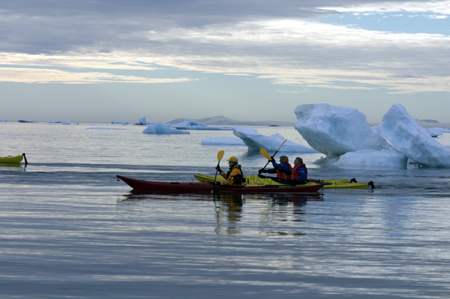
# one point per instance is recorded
(204, 187)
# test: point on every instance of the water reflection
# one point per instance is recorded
(228, 213)
(12, 167)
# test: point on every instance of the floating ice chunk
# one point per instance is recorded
(105, 128)
(413, 140)
(142, 122)
(336, 130)
(119, 122)
(223, 141)
(54, 122)
(160, 128)
(256, 141)
(391, 158)
(3, 120)
(26, 121)
(187, 124)
(435, 132)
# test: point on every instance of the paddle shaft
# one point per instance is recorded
(219, 157)
(274, 154)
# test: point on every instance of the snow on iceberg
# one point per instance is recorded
(336, 130)
(256, 141)
(223, 141)
(160, 128)
(187, 124)
(410, 138)
(373, 159)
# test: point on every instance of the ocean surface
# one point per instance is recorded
(70, 229)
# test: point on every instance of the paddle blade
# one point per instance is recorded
(265, 154)
(220, 155)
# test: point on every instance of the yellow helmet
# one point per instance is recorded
(233, 159)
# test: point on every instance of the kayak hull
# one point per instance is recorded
(11, 159)
(254, 179)
(206, 187)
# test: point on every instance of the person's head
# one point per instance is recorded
(232, 161)
(284, 159)
(298, 161)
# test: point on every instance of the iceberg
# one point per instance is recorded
(336, 130)
(3, 120)
(405, 134)
(187, 124)
(223, 141)
(26, 121)
(141, 122)
(256, 141)
(54, 122)
(119, 122)
(160, 128)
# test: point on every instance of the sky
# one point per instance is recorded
(113, 60)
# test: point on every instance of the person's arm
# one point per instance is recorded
(302, 175)
(234, 175)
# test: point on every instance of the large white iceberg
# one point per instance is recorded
(187, 124)
(256, 141)
(336, 130)
(411, 139)
(160, 128)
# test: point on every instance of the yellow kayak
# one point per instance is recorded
(254, 179)
(13, 159)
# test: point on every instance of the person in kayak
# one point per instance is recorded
(283, 170)
(234, 176)
(300, 172)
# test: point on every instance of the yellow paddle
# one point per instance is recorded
(219, 157)
(266, 154)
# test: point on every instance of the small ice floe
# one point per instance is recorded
(105, 128)
(225, 141)
(391, 158)
(435, 132)
(160, 128)
(187, 124)
(256, 141)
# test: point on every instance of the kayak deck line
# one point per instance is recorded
(255, 179)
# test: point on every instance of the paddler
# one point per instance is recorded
(300, 172)
(283, 170)
(234, 176)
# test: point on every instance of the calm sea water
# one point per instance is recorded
(69, 229)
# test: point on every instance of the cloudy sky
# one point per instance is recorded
(105, 60)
